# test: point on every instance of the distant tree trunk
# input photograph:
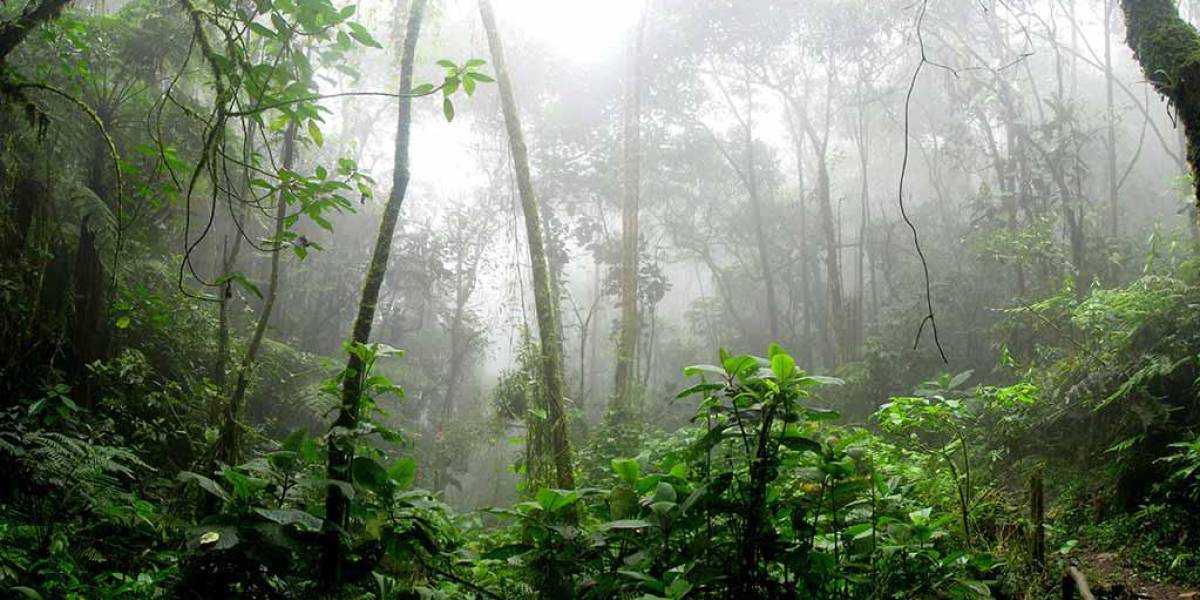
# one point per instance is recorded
(1168, 48)
(835, 353)
(628, 338)
(756, 212)
(549, 329)
(87, 332)
(1110, 151)
(230, 447)
(792, 109)
(341, 452)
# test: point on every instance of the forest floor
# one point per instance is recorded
(1115, 577)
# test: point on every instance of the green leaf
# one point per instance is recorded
(554, 500)
(262, 30)
(299, 518)
(698, 369)
(448, 109)
(423, 89)
(280, 23)
(315, 133)
(469, 86)
(362, 36)
(371, 475)
(123, 322)
(26, 592)
(699, 388)
(627, 469)
(474, 62)
(801, 443)
(480, 77)
(822, 414)
(403, 471)
(205, 484)
(783, 365)
(665, 492)
(627, 524)
(448, 64)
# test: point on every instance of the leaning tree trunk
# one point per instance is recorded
(544, 301)
(628, 339)
(1168, 49)
(341, 450)
(230, 445)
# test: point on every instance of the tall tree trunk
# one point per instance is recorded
(230, 447)
(544, 301)
(341, 451)
(756, 212)
(628, 338)
(1168, 48)
(88, 336)
(792, 112)
(1110, 151)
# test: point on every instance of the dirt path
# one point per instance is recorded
(1115, 578)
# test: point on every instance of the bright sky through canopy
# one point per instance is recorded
(584, 30)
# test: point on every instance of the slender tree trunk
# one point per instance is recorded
(756, 212)
(341, 450)
(793, 109)
(1110, 151)
(1168, 48)
(628, 338)
(544, 301)
(231, 445)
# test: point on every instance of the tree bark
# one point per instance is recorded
(1168, 49)
(628, 338)
(231, 432)
(544, 301)
(341, 451)
(14, 32)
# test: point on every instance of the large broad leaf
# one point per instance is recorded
(627, 524)
(371, 475)
(403, 471)
(821, 414)
(205, 484)
(665, 492)
(801, 443)
(783, 365)
(698, 369)
(554, 500)
(298, 518)
(627, 469)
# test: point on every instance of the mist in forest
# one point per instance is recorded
(465, 298)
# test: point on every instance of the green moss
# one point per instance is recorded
(1168, 49)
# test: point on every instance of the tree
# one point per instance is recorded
(341, 448)
(545, 303)
(628, 337)
(1168, 48)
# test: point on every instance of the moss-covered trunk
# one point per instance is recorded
(341, 449)
(545, 302)
(1168, 48)
(628, 338)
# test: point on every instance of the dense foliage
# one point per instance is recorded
(960, 392)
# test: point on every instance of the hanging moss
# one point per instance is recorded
(1168, 49)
